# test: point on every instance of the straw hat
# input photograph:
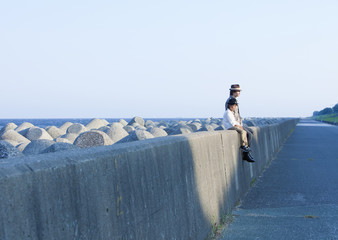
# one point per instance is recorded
(235, 87)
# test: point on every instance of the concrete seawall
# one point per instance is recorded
(173, 187)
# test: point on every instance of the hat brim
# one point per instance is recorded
(235, 89)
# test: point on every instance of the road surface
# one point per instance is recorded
(297, 195)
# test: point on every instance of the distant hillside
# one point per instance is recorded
(326, 111)
(329, 115)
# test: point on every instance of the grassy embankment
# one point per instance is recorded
(330, 118)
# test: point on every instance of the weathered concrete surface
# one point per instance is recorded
(60, 146)
(135, 136)
(207, 128)
(116, 125)
(35, 133)
(93, 138)
(7, 150)
(21, 147)
(137, 120)
(69, 136)
(96, 123)
(9, 126)
(129, 128)
(37, 146)
(116, 133)
(76, 128)
(13, 143)
(179, 129)
(55, 132)
(297, 196)
(65, 126)
(13, 136)
(158, 132)
(123, 122)
(174, 187)
(63, 140)
(23, 126)
(195, 126)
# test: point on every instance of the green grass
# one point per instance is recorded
(252, 182)
(332, 118)
(218, 228)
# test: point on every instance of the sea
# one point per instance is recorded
(57, 122)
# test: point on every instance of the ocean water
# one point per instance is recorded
(45, 122)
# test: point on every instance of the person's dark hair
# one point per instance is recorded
(232, 101)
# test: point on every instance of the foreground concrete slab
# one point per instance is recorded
(297, 196)
(174, 187)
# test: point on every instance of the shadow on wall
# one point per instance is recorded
(174, 187)
(163, 188)
(157, 188)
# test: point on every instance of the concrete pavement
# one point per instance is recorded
(297, 195)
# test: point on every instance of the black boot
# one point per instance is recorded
(245, 149)
(248, 157)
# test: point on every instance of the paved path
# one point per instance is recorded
(297, 196)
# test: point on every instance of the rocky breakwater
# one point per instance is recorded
(27, 139)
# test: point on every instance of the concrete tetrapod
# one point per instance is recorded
(55, 132)
(149, 123)
(207, 127)
(37, 146)
(63, 140)
(116, 124)
(220, 128)
(129, 128)
(96, 123)
(213, 125)
(163, 124)
(65, 126)
(13, 143)
(93, 138)
(138, 126)
(35, 133)
(23, 126)
(69, 136)
(158, 132)
(123, 122)
(136, 135)
(103, 129)
(9, 126)
(14, 136)
(60, 146)
(76, 128)
(195, 126)
(22, 146)
(116, 133)
(138, 120)
(181, 129)
(8, 151)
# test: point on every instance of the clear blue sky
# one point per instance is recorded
(166, 58)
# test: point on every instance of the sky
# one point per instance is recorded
(166, 59)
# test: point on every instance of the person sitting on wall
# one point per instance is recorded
(231, 123)
(235, 92)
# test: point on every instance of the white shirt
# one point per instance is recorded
(229, 119)
(237, 115)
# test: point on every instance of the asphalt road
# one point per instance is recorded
(297, 195)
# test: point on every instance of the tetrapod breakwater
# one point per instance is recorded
(28, 139)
